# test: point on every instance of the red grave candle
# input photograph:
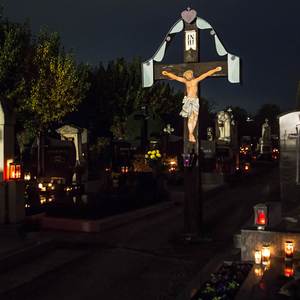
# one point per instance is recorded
(261, 218)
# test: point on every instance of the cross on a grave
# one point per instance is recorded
(200, 70)
(153, 69)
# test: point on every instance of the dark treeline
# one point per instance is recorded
(116, 94)
(47, 88)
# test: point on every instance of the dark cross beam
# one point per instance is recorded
(192, 177)
(197, 68)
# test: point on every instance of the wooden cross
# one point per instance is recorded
(153, 70)
(193, 186)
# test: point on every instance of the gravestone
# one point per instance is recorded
(208, 148)
(7, 141)
(265, 140)
(79, 136)
(289, 126)
(210, 134)
(223, 127)
(227, 146)
(12, 207)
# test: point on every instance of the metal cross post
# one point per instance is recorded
(152, 70)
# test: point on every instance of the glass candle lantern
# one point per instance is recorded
(265, 254)
(258, 271)
(289, 250)
(260, 216)
(257, 257)
(14, 171)
(186, 160)
(288, 269)
(288, 272)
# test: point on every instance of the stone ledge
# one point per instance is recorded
(252, 239)
(81, 225)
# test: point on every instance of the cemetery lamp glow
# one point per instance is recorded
(27, 176)
(14, 171)
(288, 270)
(289, 250)
(266, 254)
(124, 169)
(189, 159)
(186, 160)
(257, 257)
(247, 167)
(258, 271)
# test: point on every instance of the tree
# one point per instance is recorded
(14, 56)
(116, 93)
(56, 87)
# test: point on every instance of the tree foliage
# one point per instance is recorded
(57, 84)
(116, 93)
(14, 55)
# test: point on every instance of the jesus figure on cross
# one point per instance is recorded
(190, 108)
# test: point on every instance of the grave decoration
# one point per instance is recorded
(266, 254)
(14, 171)
(225, 283)
(257, 257)
(289, 250)
(260, 216)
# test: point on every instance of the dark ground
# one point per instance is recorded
(144, 259)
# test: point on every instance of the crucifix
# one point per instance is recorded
(190, 73)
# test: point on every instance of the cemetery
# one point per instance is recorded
(123, 180)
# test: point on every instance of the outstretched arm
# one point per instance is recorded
(173, 76)
(209, 73)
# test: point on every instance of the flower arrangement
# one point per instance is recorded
(225, 283)
(153, 155)
(154, 160)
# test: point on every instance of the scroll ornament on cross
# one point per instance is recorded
(152, 70)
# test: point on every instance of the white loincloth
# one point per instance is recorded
(189, 105)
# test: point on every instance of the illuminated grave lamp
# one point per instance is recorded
(258, 271)
(189, 159)
(172, 165)
(265, 254)
(14, 171)
(260, 216)
(289, 250)
(27, 176)
(247, 167)
(257, 257)
(288, 269)
(124, 169)
(186, 160)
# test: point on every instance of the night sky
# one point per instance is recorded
(264, 33)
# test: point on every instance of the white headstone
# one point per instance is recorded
(289, 126)
(80, 138)
(224, 126)
(265, 140)
(7, 137)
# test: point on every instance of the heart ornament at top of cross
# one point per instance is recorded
(189, 15)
